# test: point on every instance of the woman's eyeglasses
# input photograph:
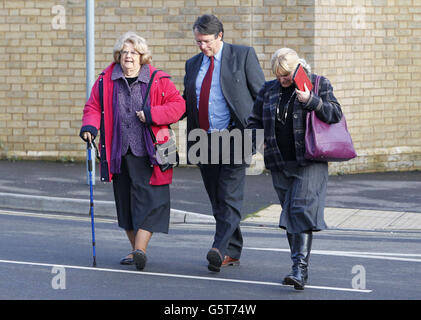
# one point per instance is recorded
(132, 53)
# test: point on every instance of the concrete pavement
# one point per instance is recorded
(381, 201)
(348, 218)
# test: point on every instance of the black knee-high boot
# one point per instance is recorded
(300, 245)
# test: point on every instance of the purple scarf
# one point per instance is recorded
(115, 162)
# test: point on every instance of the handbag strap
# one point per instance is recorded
(149, 86)
(145, 99)
(316, 85)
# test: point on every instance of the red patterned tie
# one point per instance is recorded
(204, 98)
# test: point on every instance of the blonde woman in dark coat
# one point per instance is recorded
(280, 109)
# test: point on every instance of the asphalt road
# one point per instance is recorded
(399, 191)
(50, 257)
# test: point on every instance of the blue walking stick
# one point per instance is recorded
(91, 210)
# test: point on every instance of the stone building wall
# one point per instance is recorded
(370, 50)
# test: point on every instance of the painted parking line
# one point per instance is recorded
(180, 276)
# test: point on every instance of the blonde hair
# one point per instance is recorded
(285, 60)
(139, 44)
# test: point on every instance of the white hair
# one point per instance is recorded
(139, 44)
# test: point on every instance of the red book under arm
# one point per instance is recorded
(300, 77)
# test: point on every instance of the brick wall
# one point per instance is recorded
(370, 50)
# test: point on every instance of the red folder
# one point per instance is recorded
(300, 77)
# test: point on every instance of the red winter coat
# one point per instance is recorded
(167, 107)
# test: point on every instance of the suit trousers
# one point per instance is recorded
(224, 184)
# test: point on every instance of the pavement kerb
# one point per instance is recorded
(336, 218)
(82, 207)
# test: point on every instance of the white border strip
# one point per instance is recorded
(169, 275)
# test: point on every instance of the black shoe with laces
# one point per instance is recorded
(214, 258)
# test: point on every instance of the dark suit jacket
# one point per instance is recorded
(241, 80)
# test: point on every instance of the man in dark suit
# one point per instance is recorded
(220, 87)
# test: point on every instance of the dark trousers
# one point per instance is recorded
(224, 184)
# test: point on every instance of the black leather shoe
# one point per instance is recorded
(215, 260)
(140, 259)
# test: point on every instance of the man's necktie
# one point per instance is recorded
(204, 98)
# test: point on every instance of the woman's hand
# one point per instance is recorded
(87, 136)
(303, 96)
(141, 116)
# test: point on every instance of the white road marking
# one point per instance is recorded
(54, 216)
(354, 254)
(170, 275)
(369, 255)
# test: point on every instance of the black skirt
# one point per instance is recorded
(140, 205)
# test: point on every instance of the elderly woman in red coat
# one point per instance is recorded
(141, 189)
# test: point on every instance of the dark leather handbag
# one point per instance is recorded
(327, 142)
(166, 154)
